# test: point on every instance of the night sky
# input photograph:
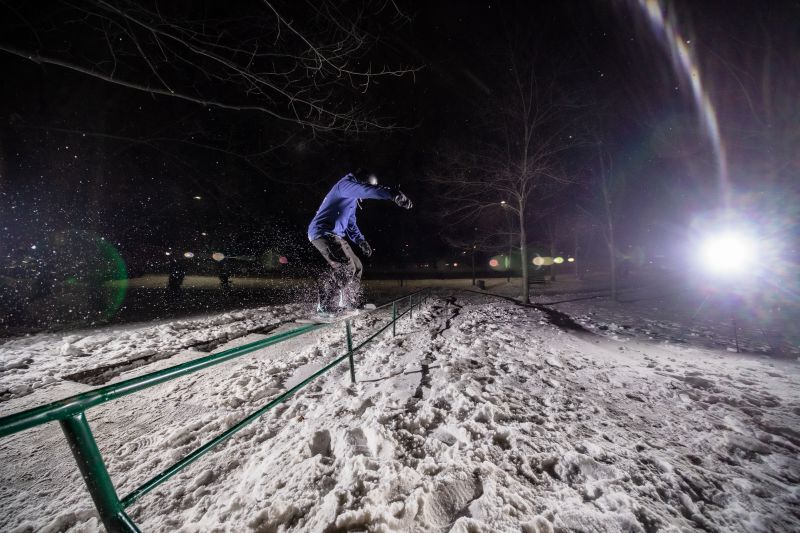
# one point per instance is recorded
(80, 153)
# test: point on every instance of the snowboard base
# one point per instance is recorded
(317, 319)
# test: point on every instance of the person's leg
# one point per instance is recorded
(352, 285)
(332, 281)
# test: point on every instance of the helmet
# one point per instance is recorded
(366, 176)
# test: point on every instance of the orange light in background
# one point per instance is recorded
(494, 263)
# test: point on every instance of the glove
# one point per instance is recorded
(402, 200)
(366, 249)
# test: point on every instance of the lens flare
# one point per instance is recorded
(729, 253)
(664, 27)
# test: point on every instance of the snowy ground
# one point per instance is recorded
(38, 362)
(480, 415)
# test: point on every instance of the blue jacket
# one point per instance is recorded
(337, 213)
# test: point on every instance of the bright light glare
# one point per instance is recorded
(728, 253)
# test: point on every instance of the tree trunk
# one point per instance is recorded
(612, 263)
(508, 260)
(510, 246)
(473, 265)
(612, 257)
(575, 257)
(610, 239)
(523, 256)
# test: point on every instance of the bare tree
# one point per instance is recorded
(304, 64)
(604, 191)
(515, 166)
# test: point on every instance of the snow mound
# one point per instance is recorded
(476, 417)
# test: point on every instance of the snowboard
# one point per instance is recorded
(319, 319)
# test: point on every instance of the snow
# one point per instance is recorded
(480, 415)
(38, 361)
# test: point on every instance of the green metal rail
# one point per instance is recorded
(70, 413)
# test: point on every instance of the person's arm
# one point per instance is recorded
(354, 234)
(352, 231)
(351, 188)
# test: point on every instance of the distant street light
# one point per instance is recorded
(198, 197)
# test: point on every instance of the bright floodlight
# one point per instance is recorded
(728, 253)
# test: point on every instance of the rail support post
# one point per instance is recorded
(350, 351)
(394, 319)
(93, 469)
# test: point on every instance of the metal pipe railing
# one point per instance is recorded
(79, 403)
(70, 412)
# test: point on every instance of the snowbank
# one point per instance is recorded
(37, 361)
(478, 416)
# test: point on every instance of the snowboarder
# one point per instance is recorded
(336, 219)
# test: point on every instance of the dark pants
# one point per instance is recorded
(340, 286)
